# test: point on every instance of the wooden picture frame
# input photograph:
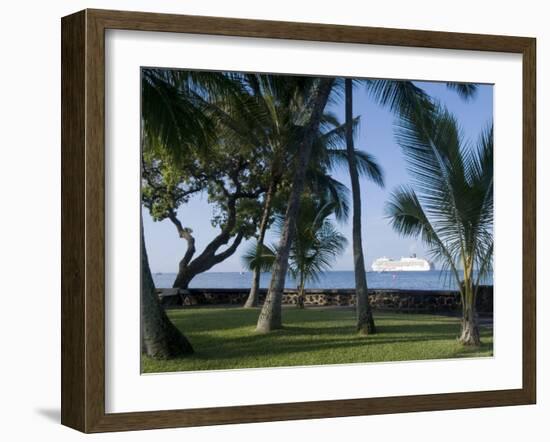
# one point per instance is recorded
(83, 220)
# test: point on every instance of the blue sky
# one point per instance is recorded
(376, 135)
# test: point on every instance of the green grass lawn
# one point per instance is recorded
(224, 338)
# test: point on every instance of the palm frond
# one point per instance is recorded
(398, 95)
(316, 242)
(451, 208)
(330, 189)
(172, 116)
(408, 218)
(466, 91)
(259, 257)
(432, 144)
(367, 166)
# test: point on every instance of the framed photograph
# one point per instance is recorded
(267, 221)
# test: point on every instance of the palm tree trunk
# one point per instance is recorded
(365, 322)
(252, 300)
(160, 338)
(301, 295)
(253, 295)
(470, 329)
(271, 315)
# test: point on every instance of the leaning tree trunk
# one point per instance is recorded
(253, 295)
(365, 322)
(183, 278)
(271, 315)
(160, 338)
(470, 329)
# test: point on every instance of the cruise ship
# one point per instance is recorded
(411, 264)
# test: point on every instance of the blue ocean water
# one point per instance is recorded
(431, 280)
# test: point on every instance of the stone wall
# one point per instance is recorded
(406, 301)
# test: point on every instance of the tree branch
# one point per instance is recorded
(230, 250)
(184, 233)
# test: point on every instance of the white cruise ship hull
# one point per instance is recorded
(402, 265)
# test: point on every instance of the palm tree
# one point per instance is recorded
(172, 117)
(316, 243)
(271, 117)
(160, 338)
(327, 154)
(364, 319)
(270, 315)
(162, 119)
(451, 204)
(277, 111)
(399, 97)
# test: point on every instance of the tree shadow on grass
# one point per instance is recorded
(213, 319)
(304, 354)
(274, 345)
(299, 346)
(304, 344)
(408, 327)
(225, 319)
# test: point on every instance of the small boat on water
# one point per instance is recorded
(410, 264)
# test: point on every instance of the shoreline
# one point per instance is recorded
(396, 300)
(334, 280)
